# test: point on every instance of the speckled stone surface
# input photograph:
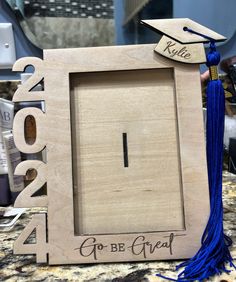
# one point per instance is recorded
(8, 88)
(24, 268)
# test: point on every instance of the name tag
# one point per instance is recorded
(187, 53)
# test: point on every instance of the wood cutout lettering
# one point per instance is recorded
(125, 169)
(23, 92)
(18, 130)
(25, 198)
(40, 248)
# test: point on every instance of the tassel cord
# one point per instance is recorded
(213, 255)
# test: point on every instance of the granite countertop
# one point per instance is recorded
(24, 268)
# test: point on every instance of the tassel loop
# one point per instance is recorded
(213, 57)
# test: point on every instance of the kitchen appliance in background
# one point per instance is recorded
(7, 46)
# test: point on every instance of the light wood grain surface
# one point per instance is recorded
(174, 28)
(186, 53)
(92, 97)
(113, 198)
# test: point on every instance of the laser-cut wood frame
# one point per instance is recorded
(55, 232)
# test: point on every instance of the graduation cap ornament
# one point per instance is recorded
(187, 46)
(179, 45)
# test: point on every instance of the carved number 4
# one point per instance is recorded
(40, 248)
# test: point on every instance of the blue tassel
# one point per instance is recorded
(213, 255)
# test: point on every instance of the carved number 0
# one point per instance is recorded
(19, 126)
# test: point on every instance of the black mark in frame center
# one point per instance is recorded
(125, 150)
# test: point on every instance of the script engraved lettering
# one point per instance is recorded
(173, 51)
(143, 247)
(168, 47)
(140, 246)
(90, 247)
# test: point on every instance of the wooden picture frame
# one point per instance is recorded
(126, 168)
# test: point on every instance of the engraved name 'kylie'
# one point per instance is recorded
(173, 51)
(140, 246)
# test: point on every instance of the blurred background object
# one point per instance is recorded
(46, 24)
(23, 46)
(7, 46)
(66, 24)
(228, 65)
(74, 23)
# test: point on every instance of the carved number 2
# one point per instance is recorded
(23, 92)
(25, 198)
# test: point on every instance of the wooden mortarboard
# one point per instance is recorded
(180, 45)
